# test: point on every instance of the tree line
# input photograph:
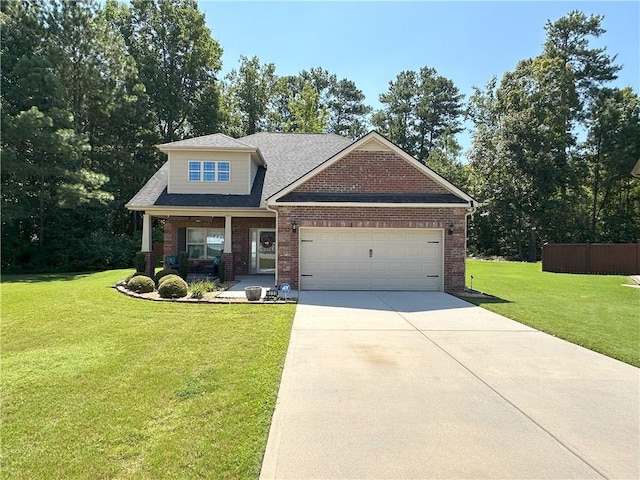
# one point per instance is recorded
(88, 90)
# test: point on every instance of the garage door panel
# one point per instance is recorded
(366, 259)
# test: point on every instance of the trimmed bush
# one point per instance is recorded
(140, 262)
(141, 284)
(167, 277)
(173, 287)
(163, 273)
(183, 264)
(221, 272)
(126, 279)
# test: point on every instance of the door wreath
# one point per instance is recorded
(267, 241)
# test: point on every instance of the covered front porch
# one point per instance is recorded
(244, 242)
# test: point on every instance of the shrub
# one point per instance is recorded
(141, 284)
(183, 264)
(198, 289)
(126, 279)
(174, 287)
(167, 277)
(140, 262)
(163, 273)
(221, 273)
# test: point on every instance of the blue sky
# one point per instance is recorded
(371, 42)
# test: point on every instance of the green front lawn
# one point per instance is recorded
(594, 311)
(99, 385)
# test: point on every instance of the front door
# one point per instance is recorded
(263, 251)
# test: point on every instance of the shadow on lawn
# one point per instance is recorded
(481, 301)
(481, 298)
(42, 277)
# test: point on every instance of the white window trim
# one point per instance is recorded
(216, 171)
(220, 231)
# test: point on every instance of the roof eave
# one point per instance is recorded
(167, 148)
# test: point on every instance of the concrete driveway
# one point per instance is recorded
(423, 385)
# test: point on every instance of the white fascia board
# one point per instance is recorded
(354, 146)
(366, 204)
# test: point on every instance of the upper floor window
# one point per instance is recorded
(209, 171)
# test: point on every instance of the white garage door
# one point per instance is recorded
(370, 259)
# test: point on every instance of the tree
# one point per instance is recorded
(76, 140)
(307, 115)
(519, 154)
(613, 147)
(419, 108)
(251, 87)
(347, 111)
(568, 39)
(177, 59)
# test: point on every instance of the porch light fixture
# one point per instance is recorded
(451, 228)
(294, 226)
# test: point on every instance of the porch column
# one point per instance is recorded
(227, 253)
(227, 234)
(146, 234)
(147, 246)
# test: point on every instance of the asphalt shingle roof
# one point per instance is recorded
(149, 193)
(291, 155)
(215, 200)
(216, 140)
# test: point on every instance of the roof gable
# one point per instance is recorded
(350, 171)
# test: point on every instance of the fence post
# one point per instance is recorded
(588, 259)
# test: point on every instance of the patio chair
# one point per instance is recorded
(171, 261)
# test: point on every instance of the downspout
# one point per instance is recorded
(277, 240)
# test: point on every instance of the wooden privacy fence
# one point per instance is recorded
(599, 258)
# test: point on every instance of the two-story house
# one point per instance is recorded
(317, 210)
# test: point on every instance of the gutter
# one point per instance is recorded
(266, 204)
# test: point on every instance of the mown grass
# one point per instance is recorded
(99, 385)
(594, 311)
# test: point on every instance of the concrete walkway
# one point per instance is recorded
(265, 281)
(422, 385)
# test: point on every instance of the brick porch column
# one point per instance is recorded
(228, 266)
(150, 267)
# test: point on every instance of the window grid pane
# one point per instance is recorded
(209, 176)
(223, 171)
(194, 171)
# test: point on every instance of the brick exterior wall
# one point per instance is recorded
(239, 261)
(371, 172)
(374, 217)
(241, 241)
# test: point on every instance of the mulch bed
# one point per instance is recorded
(209, 297)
